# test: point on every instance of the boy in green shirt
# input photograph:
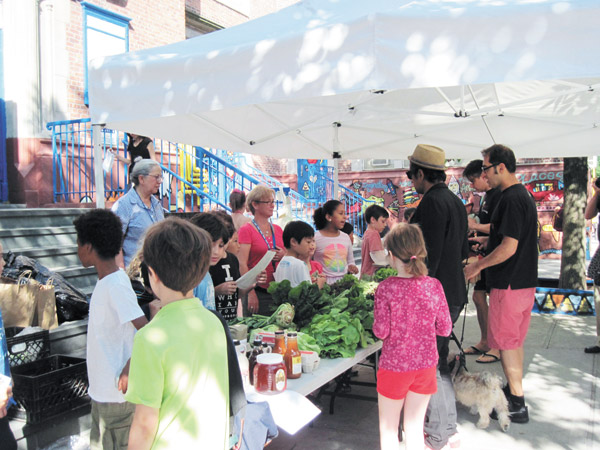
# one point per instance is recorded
(178, 377)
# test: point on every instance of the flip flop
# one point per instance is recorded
(472, 350)
(490, 361)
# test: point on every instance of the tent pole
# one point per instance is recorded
(336, 191)
(336, 156)
(98, 171)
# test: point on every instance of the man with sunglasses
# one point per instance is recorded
(443, 220)
(511, 263)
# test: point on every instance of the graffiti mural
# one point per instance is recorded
(393, 190)
(311, 178)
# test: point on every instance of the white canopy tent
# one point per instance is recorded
(356, 79)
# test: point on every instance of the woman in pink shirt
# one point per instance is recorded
(410, 311)
(255, 239)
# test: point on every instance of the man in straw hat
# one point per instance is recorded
(511, 263)
(443, 220)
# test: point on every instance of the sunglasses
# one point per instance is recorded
(267, 202)
(409, 174)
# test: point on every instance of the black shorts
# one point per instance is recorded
(480, 285)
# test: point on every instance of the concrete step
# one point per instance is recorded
(11, 218)
(53, 257)
(15, 239)
(80, 277)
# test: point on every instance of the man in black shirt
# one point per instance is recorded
(474, 174)
(511, 263)
(443, 220)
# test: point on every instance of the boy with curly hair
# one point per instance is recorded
(113, 319)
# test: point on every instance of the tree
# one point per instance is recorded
(572, 263)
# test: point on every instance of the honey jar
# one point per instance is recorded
(269, 374)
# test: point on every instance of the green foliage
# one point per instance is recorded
(385, 272)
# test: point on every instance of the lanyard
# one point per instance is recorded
(263, 236)
(149, 209)
(265, 239)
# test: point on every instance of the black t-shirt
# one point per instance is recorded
(515, 216)
(138, 151)
(489, 203)
(227, 269)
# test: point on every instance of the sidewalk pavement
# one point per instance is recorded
(560, 382)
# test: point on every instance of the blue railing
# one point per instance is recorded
(194, 178)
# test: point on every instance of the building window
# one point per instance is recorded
(105, 33)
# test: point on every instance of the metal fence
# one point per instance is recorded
(194, 178)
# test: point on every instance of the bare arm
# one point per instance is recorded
(480, 228)
(243, 256)
(151, 150)
(143, 428)
(505, 250)
(591, 209)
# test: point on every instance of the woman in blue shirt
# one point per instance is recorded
(139, 208)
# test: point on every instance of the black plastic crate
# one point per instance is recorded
(49, 387)
(27, 348)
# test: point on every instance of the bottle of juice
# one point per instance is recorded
(279, 342)
(292, 357)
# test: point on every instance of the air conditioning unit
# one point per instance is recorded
(375, 164)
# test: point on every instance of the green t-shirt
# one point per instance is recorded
(179, 365)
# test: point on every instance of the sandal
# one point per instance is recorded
(472, 350)
(493, 359)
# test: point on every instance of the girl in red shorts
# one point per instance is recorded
(410, 310)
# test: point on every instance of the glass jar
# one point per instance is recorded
(279, 342)
(293, 357)
(269, 374)
(256, 350)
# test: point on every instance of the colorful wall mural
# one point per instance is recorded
(393, 190)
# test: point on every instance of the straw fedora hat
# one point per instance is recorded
(429, 156)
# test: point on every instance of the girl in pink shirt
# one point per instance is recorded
(410, 310)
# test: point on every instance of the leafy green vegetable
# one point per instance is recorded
(307, 343)
(385, 272)
(279, 291)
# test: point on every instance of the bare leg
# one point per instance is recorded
(512, 363)
(479, 298)
(481, 305)
(389, 421)
(414, 416)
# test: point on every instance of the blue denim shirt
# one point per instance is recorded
(205, 291)
(136, 218)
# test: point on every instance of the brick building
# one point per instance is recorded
(43, 69)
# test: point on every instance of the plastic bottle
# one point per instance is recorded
(293, 357)
(266, 348)
(256, 350)
(243, 363)
(279, 342)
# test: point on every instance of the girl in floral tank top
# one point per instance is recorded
(410, 310)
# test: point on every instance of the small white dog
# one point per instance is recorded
(481, 392)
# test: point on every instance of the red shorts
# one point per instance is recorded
(509, 315)
(395, 385)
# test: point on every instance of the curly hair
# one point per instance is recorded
(101, 228)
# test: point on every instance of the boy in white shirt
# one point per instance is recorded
(113, 319)
(299, 242)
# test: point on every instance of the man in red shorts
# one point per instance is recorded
(511, 263)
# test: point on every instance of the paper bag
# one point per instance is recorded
(18, 303)
(45, 311)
